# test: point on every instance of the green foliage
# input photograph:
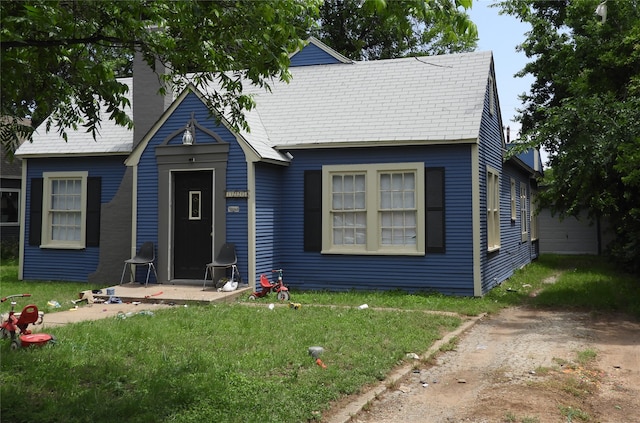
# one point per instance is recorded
(9, 249)
(238, 363)
(376, 29)
(222, 363)
(60, 59)
(584, 109)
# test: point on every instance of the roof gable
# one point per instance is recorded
(317, 53)
(111, 138)
(411, 100)
(418, 100)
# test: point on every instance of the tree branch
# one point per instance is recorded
(115, 41)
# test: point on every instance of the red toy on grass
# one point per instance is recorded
(16, 325)
(277, 287)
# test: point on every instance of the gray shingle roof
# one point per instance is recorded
(412, 100)
(112, 138)
(435, 98)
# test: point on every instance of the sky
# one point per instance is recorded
(501, 34)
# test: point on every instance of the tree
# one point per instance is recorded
(61, 59)
(360, 31)
(584, 109)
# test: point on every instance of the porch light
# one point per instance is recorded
(601, 10)
(188, 137)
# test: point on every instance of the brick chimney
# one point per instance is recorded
(148, 103)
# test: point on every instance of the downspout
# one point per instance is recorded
(599, 235)
(134, 211)
(251, 224)
(475, 220)
(23, 219)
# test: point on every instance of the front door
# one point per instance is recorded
(192, 233)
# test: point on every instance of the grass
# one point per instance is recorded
(41, 291)
(574, 414)
(232, 363)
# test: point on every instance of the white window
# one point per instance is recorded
(374, 209)
(493, 209)
(492, 99)
(513, 200)
(10, 210)
(64, 209)
(523, 212)
(533, 217)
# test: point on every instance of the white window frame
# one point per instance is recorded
(493, 209)
(17, 222)
(373, 213)
(48, 212)
(513, 200)
(533, 216)
(492, 99)
(524, 227)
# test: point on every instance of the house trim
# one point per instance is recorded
(46, 235)
(374, 244)
(134, 211)
(475, 221)
(331, 52)
(374, 144)
(138, 150)
(177, 158)
(23, 219)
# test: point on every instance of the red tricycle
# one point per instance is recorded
(267, 286)
(16, 325)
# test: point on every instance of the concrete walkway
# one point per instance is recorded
(134, 298)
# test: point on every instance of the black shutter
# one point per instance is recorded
(434, 209)
(35, 213)
(313, 210)
(94, 194)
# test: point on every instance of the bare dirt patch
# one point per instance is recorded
(524, 365)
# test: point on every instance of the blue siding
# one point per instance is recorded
(236, 178)
(68, 265)
(451, 272)
(499, 265)
(312, 55)
(269, 225)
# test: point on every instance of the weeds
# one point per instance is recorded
(450, 345)
(234, 363)
(587, 356)
(511, 418)
(574, 413)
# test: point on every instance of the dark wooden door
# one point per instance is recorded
(192, 232)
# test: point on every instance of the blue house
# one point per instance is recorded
(373, 175)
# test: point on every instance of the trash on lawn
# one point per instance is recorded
(54, 303)
(271, 306)
(122, 315)
(413, 356)
(295, 306)
(363, 306)
(315, 352)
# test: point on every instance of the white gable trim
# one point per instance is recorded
(322, 46)
(134, 157)
(475, 221)
(247, 147)
(370, 143)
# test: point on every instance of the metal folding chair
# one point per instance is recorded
(226, 258)
(146, 255)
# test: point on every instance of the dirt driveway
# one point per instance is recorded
(524, 365)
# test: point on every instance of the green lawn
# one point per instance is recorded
(234, 363)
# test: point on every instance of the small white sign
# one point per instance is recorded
(237, 194)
